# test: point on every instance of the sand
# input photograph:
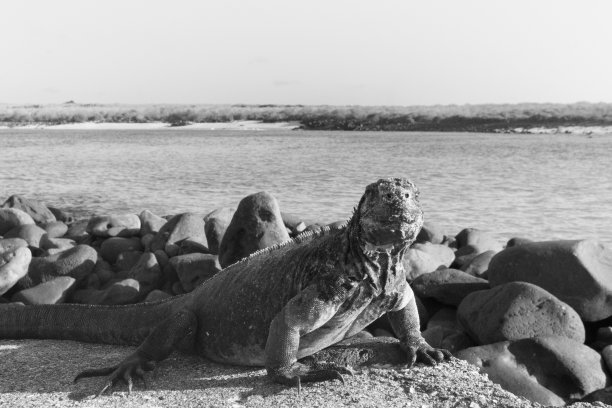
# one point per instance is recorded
(250, 125)
(39, 373)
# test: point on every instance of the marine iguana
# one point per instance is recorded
(270, 309)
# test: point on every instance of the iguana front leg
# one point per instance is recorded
(301, 315)
(158, 345)
(406, 325)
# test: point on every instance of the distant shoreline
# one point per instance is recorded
(531, 118)
(253, 125)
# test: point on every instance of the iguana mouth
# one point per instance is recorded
(370, 247)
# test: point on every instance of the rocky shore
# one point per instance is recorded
(535, 317)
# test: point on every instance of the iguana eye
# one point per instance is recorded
(407, 195)
(389, 196)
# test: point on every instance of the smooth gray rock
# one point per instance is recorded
(124, 225)
(578, 272)
(547, 370)
(14, 266)
(425, 258)
(48, 293)
(256, 224)
(35, 209)
(447, 286)
(515, 311)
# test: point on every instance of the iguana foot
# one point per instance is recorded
(423, 353)
(297, 373)
(132, 367)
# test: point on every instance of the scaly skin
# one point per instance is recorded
(270, 309)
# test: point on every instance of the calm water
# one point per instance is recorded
(536, 186)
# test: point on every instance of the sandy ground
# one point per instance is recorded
(39, 373)
(236, 125)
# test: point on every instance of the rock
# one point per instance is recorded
(445, 317)
(13, 267)
(156, 295)
(31, 233)
(193, 269)
(188, 246)
(337, 224)
(430, 233)
(35, 209)
(127, 260)
(547, 370)
(77, 231)
(515, 311)
(452, 340)
(48, 293)
(216, 224)
(61, 215)
(577, 272)
(77, 262)
(147, 272)
(256, 224)
(606, 353)
(55, 229)
(11, 218)
(104, 271)
(516, 241)
(471, 242)
(126, 225)
(150, 223)
(60, 244)
(11, 244)
(479, 265)
(181, 227)
(122, 292)
(293, 223)
(425, 258)
(112, 247)
(162, 258)
(447, 286)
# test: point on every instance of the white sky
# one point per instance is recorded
(374, 52)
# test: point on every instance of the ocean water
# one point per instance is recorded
(535, 186)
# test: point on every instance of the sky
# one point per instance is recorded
(332, 52)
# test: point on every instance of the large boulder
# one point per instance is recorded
(425, 258)
(578, 272)
(147, 272)
(31, 233)
(13, 267)
(517, 310)
(11, 244)
(12, 218)
(125, 225)
(256, 224)
(150, 223)
(193, 269)
(35, 209)
(448, 286)
(48, 293)
(55, 229)
(112, 247)
(77, 262)
(472, 242)
(547, 370)
(430, 233)
(122, 292)
(178, 229)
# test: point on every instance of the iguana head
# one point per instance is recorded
(389, 215)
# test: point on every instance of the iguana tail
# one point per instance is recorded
(124, 325)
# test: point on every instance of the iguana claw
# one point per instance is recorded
(133, 366)
(298, 373)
